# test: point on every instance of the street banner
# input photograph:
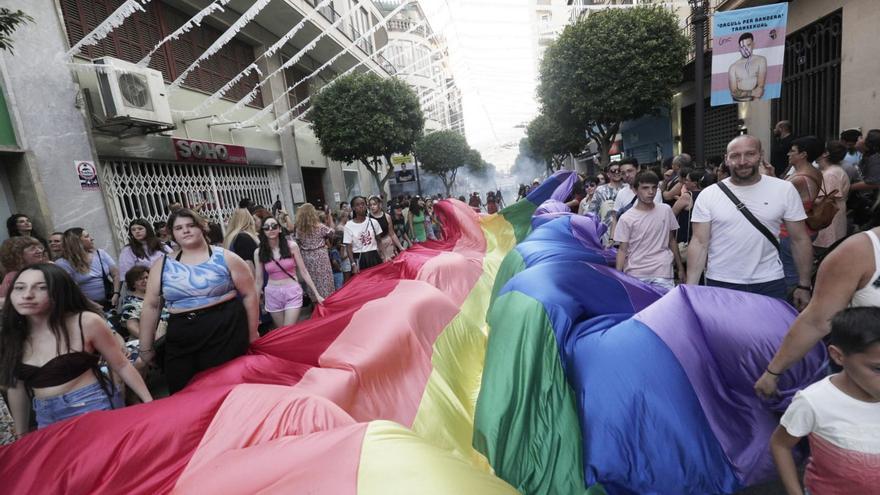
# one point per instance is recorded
(747, 53)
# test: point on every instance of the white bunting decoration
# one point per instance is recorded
(196, 20)
(253, 67)
(105, 28)
(227, 36)
(299, 55)
(268, 108)
(274, 124)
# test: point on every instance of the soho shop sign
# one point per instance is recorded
(188, 150)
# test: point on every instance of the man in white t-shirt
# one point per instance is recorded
(738, 255)
(646, 233)
(626, 197)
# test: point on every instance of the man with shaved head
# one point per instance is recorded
(734, 252)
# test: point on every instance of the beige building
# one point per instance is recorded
(188, 101)
(829, 78)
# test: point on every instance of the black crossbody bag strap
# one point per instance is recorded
(285, 271)
(750, 217)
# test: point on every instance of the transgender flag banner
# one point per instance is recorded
(747, 53)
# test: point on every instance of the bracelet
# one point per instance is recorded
(116, 293)
(767, 369)
(805, 287)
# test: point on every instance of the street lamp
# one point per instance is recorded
(698, 22)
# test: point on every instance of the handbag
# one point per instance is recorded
(824, 208)
(751, 218)
(108, 284)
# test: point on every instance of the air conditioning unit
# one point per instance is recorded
(132, 94)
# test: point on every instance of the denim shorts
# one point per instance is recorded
(80, 401)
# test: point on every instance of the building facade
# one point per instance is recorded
(235, 84)
(828, 82)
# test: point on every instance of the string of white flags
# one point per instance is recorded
(226, 37)
(217, 95)
(196, 20)
(107, 26)
(317, 71)
(330, 83)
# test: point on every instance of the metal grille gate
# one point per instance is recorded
(810, 96)
(144, 189)
(721, 126)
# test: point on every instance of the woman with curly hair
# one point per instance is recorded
(143, 248)
(311, 235)
(15, 254)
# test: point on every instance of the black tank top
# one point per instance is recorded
(383, 222)
(60, 369)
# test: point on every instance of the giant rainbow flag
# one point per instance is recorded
(507, 358)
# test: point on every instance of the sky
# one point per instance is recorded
(492, 51)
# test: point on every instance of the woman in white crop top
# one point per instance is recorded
(848, 277)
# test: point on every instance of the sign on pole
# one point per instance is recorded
(747, 53)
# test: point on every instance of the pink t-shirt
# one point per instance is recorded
(647, 234)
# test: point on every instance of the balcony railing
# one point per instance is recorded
(403, 26)
(347, 28)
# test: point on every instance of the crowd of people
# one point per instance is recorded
(79, 327)
(802, 227)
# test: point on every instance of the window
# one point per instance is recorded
(144, 30)
(301, 92)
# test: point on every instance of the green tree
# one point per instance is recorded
(475, 163)
(10, 21)
(363, 117)
(554, 142)
(443, 153)
(612, 66)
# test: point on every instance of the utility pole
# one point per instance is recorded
(698, 22)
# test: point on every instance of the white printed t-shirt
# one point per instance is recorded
(844, 435)
(647, 236)
(362, 236)
(738, 252)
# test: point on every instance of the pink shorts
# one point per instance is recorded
(283, 297)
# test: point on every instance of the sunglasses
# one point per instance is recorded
(615, 171)
(591, 184)
(271, 226)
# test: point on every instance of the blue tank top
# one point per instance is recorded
(191, 286)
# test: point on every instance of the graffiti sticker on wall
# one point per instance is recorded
(88, 175)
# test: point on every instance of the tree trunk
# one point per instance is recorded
(375, 173)
(389, 171)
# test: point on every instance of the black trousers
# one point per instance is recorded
(203, 339)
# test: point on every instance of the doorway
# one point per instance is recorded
(313, 183)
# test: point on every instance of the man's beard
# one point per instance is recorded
(737, 173)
